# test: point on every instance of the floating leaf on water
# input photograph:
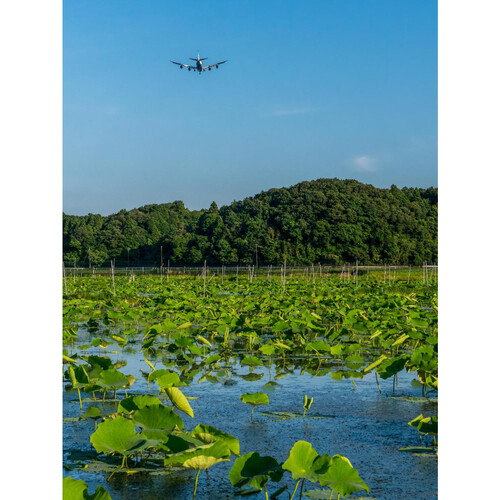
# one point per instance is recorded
(252, 377)
(418, 449)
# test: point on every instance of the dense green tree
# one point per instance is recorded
(327, 221)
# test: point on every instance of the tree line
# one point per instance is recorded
(327, 221)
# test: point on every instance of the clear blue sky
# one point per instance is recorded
(336, 88)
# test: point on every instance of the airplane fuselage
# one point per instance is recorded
(199, 65)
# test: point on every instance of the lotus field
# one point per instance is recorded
(179, 387)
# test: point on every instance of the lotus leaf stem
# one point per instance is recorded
(265, 491)
(196, 484)
(79, 397)
(296, 486)
(118, 468)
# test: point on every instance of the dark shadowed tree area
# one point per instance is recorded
(327, 220)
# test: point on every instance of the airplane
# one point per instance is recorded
(199, 67)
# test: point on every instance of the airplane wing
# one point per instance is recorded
(216, 64)
(183, 65)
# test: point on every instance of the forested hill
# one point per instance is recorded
(328, 220)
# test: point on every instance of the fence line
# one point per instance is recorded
(345, 271)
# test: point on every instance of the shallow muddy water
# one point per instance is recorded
(362, 424)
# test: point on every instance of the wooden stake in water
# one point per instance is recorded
(204, 278)
(113, 277)
(356, 273)
(284, 276)
(64, 275)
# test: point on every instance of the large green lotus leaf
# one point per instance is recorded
(91, 412)
(267, 349)
(157, 422)
(319, 345)
(342, 477)
(304, 462)
(212, 359)
(176, 444)
(100, 494)
(209, 434)
(201, 457)
(337, 350)
(179, 400)
(102, 362)
(74, 489)
(117, 435)
(428, 425)
(251, 361)
(78, 376)
(134, 403)
(112, 379)
(360, 328)
(419, 323)
(168, 380)
(196, 350)
(78, 490)
(415, 421)
(159, 373)
(354, 361)
(391, 366)
(256, 398)
(254, 471)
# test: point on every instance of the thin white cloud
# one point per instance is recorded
(365, 163)
(293, 111)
